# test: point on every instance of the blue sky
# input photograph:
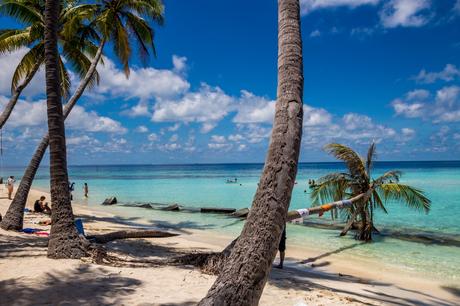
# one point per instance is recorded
(384, 71)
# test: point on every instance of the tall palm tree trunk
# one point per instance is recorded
(15, 96)
(246, 271)
(14, 217)
(64, 241)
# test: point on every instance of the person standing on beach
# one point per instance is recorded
(10, 186)
(71, 189)
(282, 248)
(85, 189)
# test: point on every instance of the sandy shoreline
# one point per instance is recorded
(27, 277)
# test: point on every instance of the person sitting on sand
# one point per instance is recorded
(41, 207)
(282, 248)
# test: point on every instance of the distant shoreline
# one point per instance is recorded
(453, 163)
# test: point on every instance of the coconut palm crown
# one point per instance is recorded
(358, 180)
(76, 40)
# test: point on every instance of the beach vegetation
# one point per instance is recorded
(108, 22)
(75, 39)
(358, 180)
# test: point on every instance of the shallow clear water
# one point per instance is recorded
(205, 186)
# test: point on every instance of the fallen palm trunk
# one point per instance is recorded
(320, 210)
(104, 238)
(212, 263)
(217, 210)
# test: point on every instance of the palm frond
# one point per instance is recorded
(12, 40)
(121, 44)
(371, 155)
(412, 197)
(351, 158)
(151, 9)
(377, 201)
(21, 11)
(27, 64)
(388, 177)
(65, 79)
(143, 33)
(331, 187)
(79, 62)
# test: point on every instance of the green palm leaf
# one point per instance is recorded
(21, 11)
(351, 158)
(12, 40)
(27, 63)
(412, 197)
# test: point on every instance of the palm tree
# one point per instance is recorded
(153, 9)
(64, 241)
(357, 181)
(245, 272)
(74, 39)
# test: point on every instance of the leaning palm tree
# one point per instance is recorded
(74, 40)
(358, 180)
(245, 272)
(153, 10)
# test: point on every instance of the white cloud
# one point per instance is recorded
(143, 83)
(153, 137)
(220, 146)
(315, 116)
(315, 33)
(449, 73)
(218, 138)
(311, 5)
(81, 140)
(447, 96)
(235, 137)
(174, 127)
(169, 147)
(174, 138)
(207, 105)
(446, 107)
(207, 127)
(405, 13)
(418, 94)
(457, 7)
(254, 109)
(179, 63)
(142, 129)
(242, 147)
(138, 110)
(90, 121)
(409, 110)
(407, 134)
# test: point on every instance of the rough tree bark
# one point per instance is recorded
(246, 271)
(64, 241)
(16, 93)
(14, 217)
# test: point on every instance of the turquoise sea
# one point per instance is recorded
(438, 256)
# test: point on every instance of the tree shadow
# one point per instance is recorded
(313, 259)
(298, 277)
(27, 246)
(77, 287)
(147, 223)
(144, 249)
(452, 290)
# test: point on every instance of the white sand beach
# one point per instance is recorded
(28, 277)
